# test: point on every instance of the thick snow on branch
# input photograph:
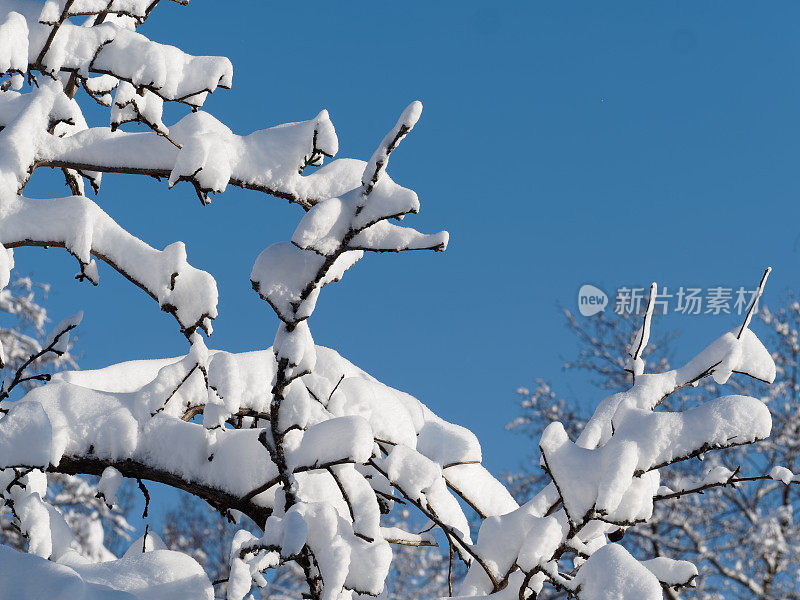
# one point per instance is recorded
(27, 131)
(380, 158)
(79, 225)
(282, 272)
(351, 438)
(317, 461)
(728, 354)
(205, 152)
(46, 128)
(329, 239)
(13, 47)
(332, 235)
(55, 11)
(643, 440)
(159, 575)
(612, 572)
(25, 436)
(55, 44)
(608, 478)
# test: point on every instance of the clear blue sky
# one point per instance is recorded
(561, 143)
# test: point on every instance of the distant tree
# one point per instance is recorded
(24, 329)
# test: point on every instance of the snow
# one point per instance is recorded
(612, 573)
(54, 9)
(11, 105)
(240, 577)
(485, 494)
(380, 158)
(718, 474)
(130, 106)
(781, 474)
(225, 379)
(34, 522)
(502, 539)
(388, 237)
(295, 534)
(110, 480)
(389, 419)
(27, 131)
(343, 558)
(448, 444)
(127, 376)
(79, 225)
(45, 579)
(13, 47)
(282, 272)
(6, 264)
(414, 473)
(269, 159)
(84, 229)
(140, 415)
(147, 543)
(643, 440)
(425, 453)
(326, 227)
(296, 346)
(642, 337)
(609, 476)
(745, 355)
(335, 440)
(156, 575)
(25, 435)
(167, 71)
(361, 500)
(116, 422)
(671, 572)
(106, 423)
(61, 331)
(115, 50)
(543, 539)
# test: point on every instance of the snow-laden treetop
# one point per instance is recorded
(114, 65)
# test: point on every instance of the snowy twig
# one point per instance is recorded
(731, 481)
(754, 303)
(52, 347)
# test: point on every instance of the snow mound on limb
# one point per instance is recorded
(135, 410)
(612, 572)
(158, 575)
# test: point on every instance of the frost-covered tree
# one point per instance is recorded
(304, 449)
(24, 325)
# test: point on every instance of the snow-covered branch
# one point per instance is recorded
(608, 479)
(206, 153)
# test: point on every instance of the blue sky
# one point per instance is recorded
(565, 143)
